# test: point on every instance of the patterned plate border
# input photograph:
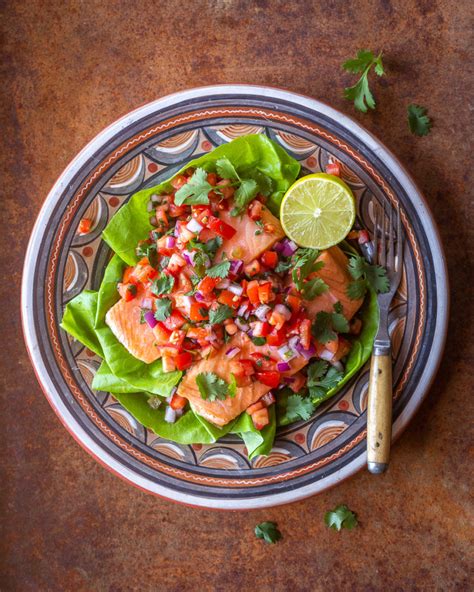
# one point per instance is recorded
(103, 453)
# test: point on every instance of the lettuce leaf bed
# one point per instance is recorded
(133, 382)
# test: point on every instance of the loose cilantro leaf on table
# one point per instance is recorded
(366, 276)
(340, 517)
(221, 270)
(195, 191)
(220, 314)
(163, 285)
(211, 386)
(418, 122)
(268, 531)
(298, 407)
(327, 325)
(360, 92)
(163, 309)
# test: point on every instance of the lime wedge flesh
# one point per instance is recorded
(318, 211)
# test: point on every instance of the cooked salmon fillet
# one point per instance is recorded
(221, 412)
(245, 244)
(124, 321)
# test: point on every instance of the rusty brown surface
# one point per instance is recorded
(69, 68)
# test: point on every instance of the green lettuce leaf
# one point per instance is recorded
(252, 155)
(257, 442)
(78, 320)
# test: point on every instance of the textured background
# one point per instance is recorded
(69, 68)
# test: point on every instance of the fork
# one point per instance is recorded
(379, 406)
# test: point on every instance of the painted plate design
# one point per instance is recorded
(139, 151)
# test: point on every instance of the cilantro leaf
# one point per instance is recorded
(418, 122)
(148, 250)
(298, 407)
(211, 386)
(268, 531)
(304, 263)
(200, 262)
(162, 285)
(320, 385)
(220, 270)
(313, 288)
(195, 191)
(315, 371)
(284, 265)
(163, 309)
(220, 314)
(340, 517)
(340, 323)
(322, 327)
(366, 275)
(259, 340)
(265, 184)
(360, 93)
(210, 247)
(244, 194)
(226, 169)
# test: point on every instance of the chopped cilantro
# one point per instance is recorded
(211, 386)
(313, 288)
(327, 324)
(195, 191)
(259, 340)
(321, 379)
(147, 250)
(221, 270)
(340, 517)
(268, 531)
(162, 285)
(220, 314)
(303, 264)
(163, 309)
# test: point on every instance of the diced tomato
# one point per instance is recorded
(271, 379)
(206, 235)
(179, 181)
(201, 213)
(225, 189)
(353, 235)
(252, 268)
(168, 364)
(185, 235)
(356, 326)
(221, 228)
(333, 168)
(212, 178)
(198, 312)
(231, 328)
(252, 292)
(175, 320)
(299, 380)
(161, 333)
(332, 346)
(229, 298)
(127, 291)
(294, 302)
(277, 319)
(255, 407)
(183, 361)
(305, 333)
(268, 399)
(343, 349)
(276, 338)
(260, 418)
(261, 329)
(85, 226)
(263, 362)
(363, 237)
(161, 217)
(270, 259)
(177, 337)
(255, 210)
(175, 263)
(128, 275)
(144, 271)
(178, 402)
(176, 211)
(170, 351)
(162, 248)
(207, 285)
(265, 293)
(184, 283)
(247, 366)
(199, 333)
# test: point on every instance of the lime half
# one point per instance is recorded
(318, 211)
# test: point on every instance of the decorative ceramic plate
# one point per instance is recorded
(142, 149)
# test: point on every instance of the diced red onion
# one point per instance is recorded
(283, 367)
(189, 257)
(261, 312)
(170, 242)
(155, 199)
(236, 266)
(232, 352)
(306, 353)
(285, 353)
(223, 284)
(170, 415)
(186, 302)
(326, 355)
(283, 310)
(289, 247)
(242, 326)
(147, 303)
(288, 379)
(268, 399)
(194, 226)
(287, 290)
(150, 319)
(236, 289)
(168, 399)
(293, 342)
(199, 297)
(179, 413)
(150, 207)
(278, 247)
(243, 310)
(338, 366)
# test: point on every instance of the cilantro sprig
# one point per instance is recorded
(321, 379)
(163, 309)
(220, 270)
(366, 276)
(247, 188)
(268, 531)
(327, 325)
(195, 191)
(341, 517)
(213, 387)
(298, 407)
(360, 93)
(418, 121)
(304, 263)
(220, 314)
(163, 284)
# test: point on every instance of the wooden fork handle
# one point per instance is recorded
(379, 413)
